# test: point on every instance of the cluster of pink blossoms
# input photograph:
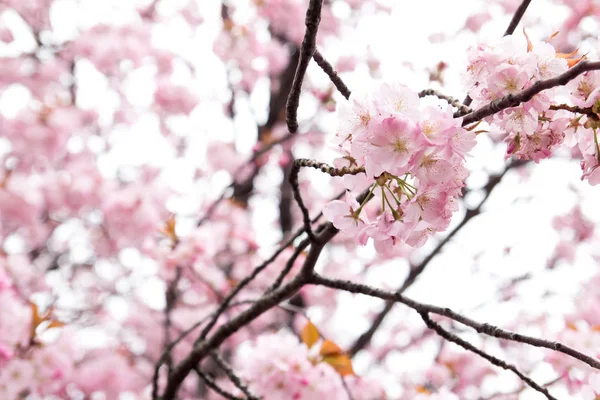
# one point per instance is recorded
(413, 156)
(279, 366)
(511, 66)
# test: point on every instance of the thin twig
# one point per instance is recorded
(332, 74)
(517, 18)
(494, 360)
(170, 299)
(210, 382)
(347, 388)
(167, 351)
(265, 303)
(574, 109)
(323, 167)
(519, 390)
(288, 266)
(451, 100)
(232, 376)
(312, 20)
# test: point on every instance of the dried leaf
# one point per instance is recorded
(475, 125)
(55, 324)
(310, 334)
(571, 325)
(169, 229)
(36, 318)
(529, 44)
(341, 363)
(423, 390)
(570, 57)
(328, 348)
(552, 36)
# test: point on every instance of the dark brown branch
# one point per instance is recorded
(494, 360)
(517, 391)
(243, 283)
(332, 74)
(288, 265)
(301, 247)
(573, 109)
(484, 328)
(513, 100)
(451, 100)
(170, 300)
(293, 179)
(233, 377)
(210, 382)
(286, 199)
(313, 18)
(167, 351)
(265, 303)
(517, 18)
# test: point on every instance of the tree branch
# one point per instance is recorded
(323, 167)
(233, 377)
(332, 74)
(211, 384)
(313, 18)
(494, 360)
(513, 100)
(484, 328)
(451, 100)
(520, 11)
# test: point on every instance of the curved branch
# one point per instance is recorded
(313, 18)
(484, 328)
(463, 109)
(517, 18)
(513, 100)
(494, 360)
(332, 74)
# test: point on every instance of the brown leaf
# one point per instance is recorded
(310, 334)
(529, 44)
(552, 36)
(55, 324)
(169, 229)
(341, 363)
(36, 318)
(328, 348)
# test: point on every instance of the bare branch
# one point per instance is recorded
(451, 100)
(293, 179)
(494, 360)
(313, 18)
(232, 376)
(332, 74)
(520, 11)
(210, 382)
(484, 328)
